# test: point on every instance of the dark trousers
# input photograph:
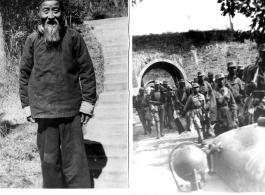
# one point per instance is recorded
(62, 153)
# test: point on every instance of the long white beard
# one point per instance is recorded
(52, 32)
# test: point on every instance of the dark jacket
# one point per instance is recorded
(49, 79)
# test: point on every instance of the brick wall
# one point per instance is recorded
(212, 57)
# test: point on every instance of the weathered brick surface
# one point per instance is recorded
(212, 57)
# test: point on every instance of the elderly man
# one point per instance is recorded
(224, 112)
(54, 63)
(194, 110)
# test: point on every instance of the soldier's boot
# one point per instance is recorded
(149, 129)
(161, 129)
(158, 129)
(200, 137)
(145, 127)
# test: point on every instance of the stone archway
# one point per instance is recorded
(173, 68)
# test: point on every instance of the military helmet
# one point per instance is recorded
(187, 159)
(231, 64)
(200, 74)
(181, 81)
(241, 67)
(210, 73)
(194, 85)
(219, 76)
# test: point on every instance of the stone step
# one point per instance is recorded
(115, 163)
(115, 53)
(112, 68)
(115, 41)
(109, 120)
(111, 149)
(111, 31)
(110, 47)
(107, 27)
(111, 110)
(118, 76)
(116, 59)
(107, 139)
(108, 21)
(114, 129)
(114, 97)
(112, 179)
(115, 86)
(112, 37)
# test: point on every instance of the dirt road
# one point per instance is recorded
(150, 170)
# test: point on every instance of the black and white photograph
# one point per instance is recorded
(64, 94)
(198, 96)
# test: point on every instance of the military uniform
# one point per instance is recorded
(181, 96)
(236, 86)
(157, 101)
(169, 106)
(211, 82)
(142, 105)
(225, 112)
(205, 89)
(194, 109)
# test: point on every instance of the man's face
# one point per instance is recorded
(182, 85)
(200, 78)
(220, 82)
(232, 70)
(210, 77)
(196, 90)
(51, 16)
(141, 92)
(240, 73)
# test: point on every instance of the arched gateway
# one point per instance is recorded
(171, 67)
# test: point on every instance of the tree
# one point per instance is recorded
(254, 9)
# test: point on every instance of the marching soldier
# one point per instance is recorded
(224, 109)
(164, 90)
(142, 105)
(205, 89)
(211, 79)
(181, 95)
(157, 101)
(235, 85)
(254, 77)
(169, 106)
(193, 109)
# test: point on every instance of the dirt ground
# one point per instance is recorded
(150, 170)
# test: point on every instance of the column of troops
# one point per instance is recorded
(223, 102)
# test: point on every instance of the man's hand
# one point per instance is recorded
(30, 119)
(84, 118)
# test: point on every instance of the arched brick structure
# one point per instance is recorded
(173, 68)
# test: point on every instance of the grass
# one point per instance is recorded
(19, 158)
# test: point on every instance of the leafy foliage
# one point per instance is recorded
(171, 43)
(255, 9)
(19, 17)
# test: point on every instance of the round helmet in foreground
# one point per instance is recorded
(187, 159)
